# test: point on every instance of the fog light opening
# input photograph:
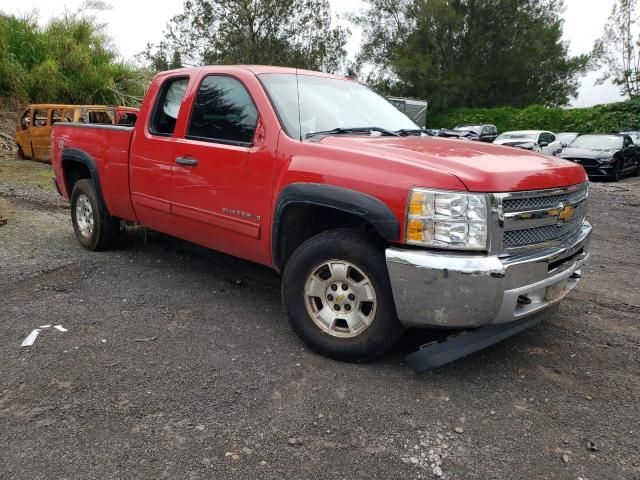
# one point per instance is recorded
(523, 300)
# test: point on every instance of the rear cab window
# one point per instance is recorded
(223, 112)
(167, 106)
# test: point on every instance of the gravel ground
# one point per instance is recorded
(178, 363)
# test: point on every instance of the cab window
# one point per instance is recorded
(223, 112)
(57, 115)
(128, 118)
(40, 118)
(25, 122)
(167, 108)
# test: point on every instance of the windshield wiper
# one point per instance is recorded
(346, 131)
(405, 132)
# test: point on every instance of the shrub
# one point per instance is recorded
(612, 117)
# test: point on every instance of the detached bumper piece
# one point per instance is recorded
(437, 354)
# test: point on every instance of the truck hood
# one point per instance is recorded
(482, 167)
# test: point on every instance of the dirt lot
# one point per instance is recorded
(178, 363)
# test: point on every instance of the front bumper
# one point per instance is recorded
(450, 290)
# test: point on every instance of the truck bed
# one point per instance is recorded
(108, 147)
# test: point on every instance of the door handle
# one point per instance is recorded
(192, 162)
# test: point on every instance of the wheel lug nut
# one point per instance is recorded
(345, 287)
(352, 297)
(347, 307)
(330, 297)
(337, 307)
(334, 287)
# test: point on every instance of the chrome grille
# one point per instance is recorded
(533, 219)
(548, 233)
(510, 205)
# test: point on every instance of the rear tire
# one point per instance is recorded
(337, 296)
(95, 229)
(636, 171)
(20, 153)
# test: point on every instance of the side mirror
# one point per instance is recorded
(543, 144)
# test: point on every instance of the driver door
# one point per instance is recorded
(222, 174)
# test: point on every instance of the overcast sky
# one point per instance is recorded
(133, 23)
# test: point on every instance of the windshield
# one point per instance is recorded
(597, 142)
(518, 136)
(329, 103)
(469, 128)
(566, 138)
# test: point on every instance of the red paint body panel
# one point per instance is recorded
(110, 149)
(227, 201)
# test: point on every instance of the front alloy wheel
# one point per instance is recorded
(337, 295)
(340, 299)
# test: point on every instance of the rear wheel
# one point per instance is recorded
(636, 171)
(338, 298)
(20, 154)
(95, 229)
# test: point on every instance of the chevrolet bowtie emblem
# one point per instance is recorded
(566, 213)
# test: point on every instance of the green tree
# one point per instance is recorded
(617, 49)
(470, 52)
(70, 60)
(296, 33)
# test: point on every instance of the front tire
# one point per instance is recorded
(95, 229)
(338, 297)
(617, 172)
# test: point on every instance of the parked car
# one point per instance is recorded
(605, 155)
(635, 136)
(34, 130)
(476, 132)
(535, 140)
(566, 138)
(309, 173)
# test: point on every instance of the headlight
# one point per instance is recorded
(606, 160)
(447, 219)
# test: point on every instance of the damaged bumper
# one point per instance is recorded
(452, 290)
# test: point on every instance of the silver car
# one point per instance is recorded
(535, 140)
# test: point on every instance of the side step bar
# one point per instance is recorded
(435, 354)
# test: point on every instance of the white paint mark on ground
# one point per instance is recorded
(27, 342)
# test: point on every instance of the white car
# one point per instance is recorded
(535, 140)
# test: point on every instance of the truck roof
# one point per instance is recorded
(258, 70)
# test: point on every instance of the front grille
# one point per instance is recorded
(585, 162)
(524, 215)
(511, 205)
(548, 233)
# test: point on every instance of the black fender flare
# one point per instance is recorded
(372, 210)
(79, 156)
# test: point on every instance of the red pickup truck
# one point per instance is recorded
(374, 225)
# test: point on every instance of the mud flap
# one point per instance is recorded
(435, 354)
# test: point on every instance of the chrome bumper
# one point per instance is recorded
(451, 290)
